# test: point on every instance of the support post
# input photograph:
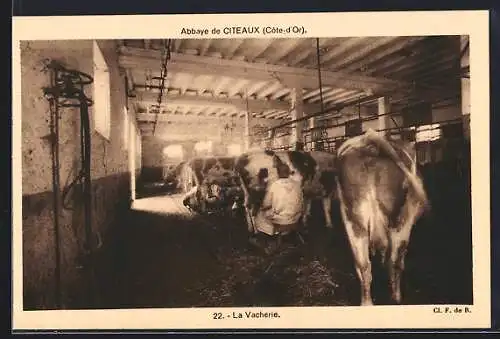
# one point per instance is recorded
(312, 124)
(297, 113)
(248, 136)
(384, 121)
(269, 139)
(465, 86)
(132, 140)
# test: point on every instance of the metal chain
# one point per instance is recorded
(163, 75)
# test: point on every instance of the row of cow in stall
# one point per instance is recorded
(373, 178)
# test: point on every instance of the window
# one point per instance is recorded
(353, 127)
(126, 127)
(138, 149)
(234, 149)
(173, 151)
(203, 147)
(428, 133)
(102, 93)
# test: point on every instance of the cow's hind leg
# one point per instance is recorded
(307, 211)
(360, 249)
(250, 219)
(399, 245)
(358, 238)
(396, 266)
(327, 209)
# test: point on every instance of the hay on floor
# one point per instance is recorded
(286, 278)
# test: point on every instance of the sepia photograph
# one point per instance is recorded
(247, 174)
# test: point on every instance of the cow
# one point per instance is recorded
(381, 197)
(171, 174)
(315, 171)
(210, 183)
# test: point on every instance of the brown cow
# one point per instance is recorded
(381, 197)
(209, 182)
(314, 170)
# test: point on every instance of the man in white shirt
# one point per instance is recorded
(282, 206)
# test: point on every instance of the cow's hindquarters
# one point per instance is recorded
(379, 205)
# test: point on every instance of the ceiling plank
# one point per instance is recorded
(259, 46)
(280, 93)
(409, 57)
(177, 44)
(360, 53)
(326, 90)
(235, 44)
(237, 87)
(397, 46)
(301, 52)
(340, 49)
(219, 84)
(282, 48)
(204, 46)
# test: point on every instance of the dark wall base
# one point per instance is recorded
(111, 198)
(151, 174)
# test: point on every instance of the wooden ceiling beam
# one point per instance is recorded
(200, 120)
(137, 58)
(239, 104)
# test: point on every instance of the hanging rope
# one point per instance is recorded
(163, 75)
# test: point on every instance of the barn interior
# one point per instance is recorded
(104, 226)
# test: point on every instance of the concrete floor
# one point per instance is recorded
(166, 205)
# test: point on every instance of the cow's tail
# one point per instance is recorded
(411, 175)
(246, 194)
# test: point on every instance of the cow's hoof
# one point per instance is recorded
(367, 303)
(271, 248)
(396, 298)
(299, 239)
(254, 242)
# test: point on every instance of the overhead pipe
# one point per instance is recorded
(369, 118)
(319, 76)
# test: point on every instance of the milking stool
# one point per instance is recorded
(284, 230)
